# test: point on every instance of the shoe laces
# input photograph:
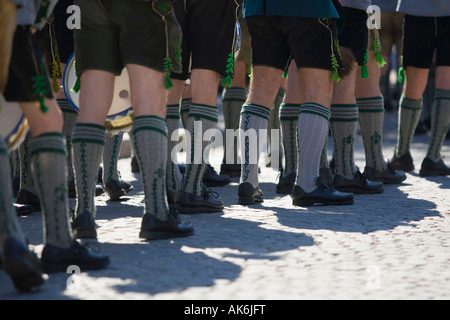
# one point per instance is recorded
(209, 192)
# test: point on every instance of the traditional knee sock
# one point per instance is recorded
(371, 120)
(9, 225)
(88, 141)
(26, 177)
(49, 166)
(185, 104)
(344, 118)
(313, 123)
(111, 154)
(289, 125)
(254, 117)
(70, 116)
(174, 177)
(207, 117)
(409, 116)
(440, 123)
(232, 101)
(150, 147)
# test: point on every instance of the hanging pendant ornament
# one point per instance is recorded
(40, 90)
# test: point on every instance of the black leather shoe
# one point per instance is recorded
(207, 202)
(23, 209)
(322, 195)
(99, 190)
(388, 176)
(231, 170)
(22, 265)
(114, 189)
(212, 179)
(56, 259)
(357, 185)
(126, 186)
(248, 194)
(431, 168)
(286, 184)
(26, 197)
(153, 228)
(83, 226)
(404, 163)
(135, 165)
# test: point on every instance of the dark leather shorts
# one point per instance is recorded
(26, 65)
(355, 35)
(309, 41)
(422, 37)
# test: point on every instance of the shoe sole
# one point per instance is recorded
(433, 173)
(24, 275)
(312, 202)
(195, 210)
(159, 235)
(62, 266)
(249, 200)
(358, 190)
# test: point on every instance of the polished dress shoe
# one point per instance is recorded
(55, 259)
(26, 197)
(431, 168)
(206, 202)
(248, 194)
(126, 186)
(286, 184)
(404, 163)
(23, 209)
(83, 226)
(388, 176)
(231, 170)
(114, 189)
(357, 185)
(153, 228)
(322, 195)
(212, 179)
(22, 265)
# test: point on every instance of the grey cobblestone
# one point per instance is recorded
(395, 245)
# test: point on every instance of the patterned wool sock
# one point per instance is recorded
(88, 141)
(344, 118)
(111, 154)
(440, 123)
(26, 177)
(371, 121)
(232, 101)
(70, 116)
(9, 225)
(253, 118)
(49, 166)
(313, 121)
(289, 125)
(274, 123)
(174, 177)
(206, 116)
(409, 116)
(150, 147)
(185, 104)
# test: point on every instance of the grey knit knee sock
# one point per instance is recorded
(313, 122)
(409, 116)
(70, 116)
(9, 225)
(440, 123)
(26, 177)
(111, 154)
(88, 141)
(49, 166)
(174, 177)
(289, 126)
(150, 147)
(253, 119)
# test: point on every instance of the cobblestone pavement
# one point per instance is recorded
(394, 245)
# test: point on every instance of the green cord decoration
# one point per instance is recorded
(56, 73)
(378, 57)
(229, 71)
(168, 67)
(77, 85)
(364, 71)
(40, 90)
(334, 64)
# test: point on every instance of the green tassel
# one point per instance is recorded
(76, 86)
(364, 72)
(401, 75)
(378, 57)
(56, 73)
(40, 90)
(334, 73)
(285, 74)
(168, 67)
(229, 71)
